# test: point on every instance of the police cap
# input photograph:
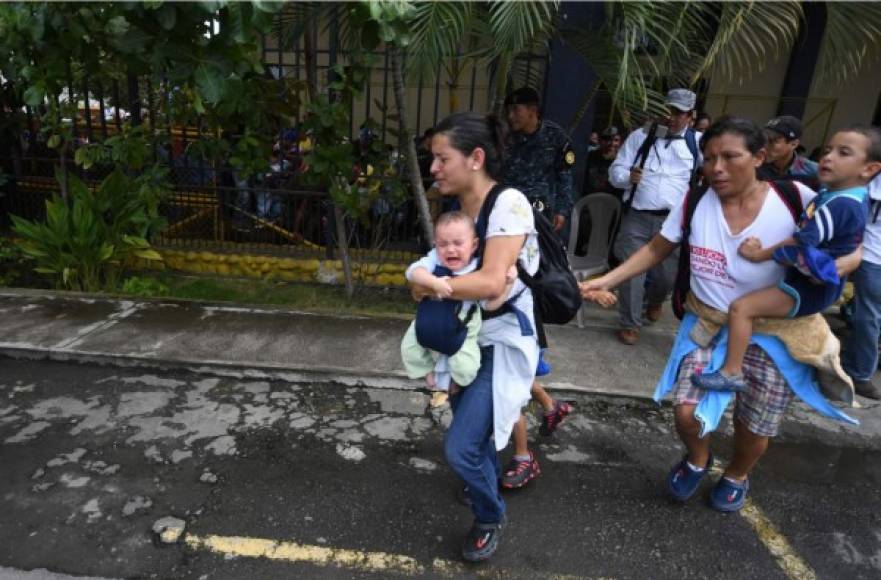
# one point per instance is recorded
(522, 96)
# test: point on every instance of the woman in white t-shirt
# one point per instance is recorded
(467, 150)
(736, 206)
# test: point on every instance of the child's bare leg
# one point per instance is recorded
(541, 395)
(767, 303)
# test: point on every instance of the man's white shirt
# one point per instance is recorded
(665, 175)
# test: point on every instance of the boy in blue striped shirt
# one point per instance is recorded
(832, 225)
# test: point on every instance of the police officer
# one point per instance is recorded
(538, 162)
(538, 158)
(782, 160)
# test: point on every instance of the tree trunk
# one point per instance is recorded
(342, 240)
(62, 158)
(412, 162)
(311, 66)
(501, 84)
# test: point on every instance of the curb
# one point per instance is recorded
(393, 380)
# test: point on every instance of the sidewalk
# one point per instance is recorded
(295, 345)
(270, 343)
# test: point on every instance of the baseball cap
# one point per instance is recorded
(522, 96)
(786, 125)
(610, 132)
(682, 99)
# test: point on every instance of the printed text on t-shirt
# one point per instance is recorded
(710, 265)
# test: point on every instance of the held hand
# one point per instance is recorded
(442, 288)
(751, 249)
(635, 175)
(559, 222)
(590, 286)
(602, 297)
(418, 292)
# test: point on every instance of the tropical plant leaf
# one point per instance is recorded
(148, 255)
(748, 35)
(437, 32)
(851, 41)
(517, 25)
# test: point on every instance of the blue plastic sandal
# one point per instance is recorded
(683, 481)
(718, 382)
(729, 495)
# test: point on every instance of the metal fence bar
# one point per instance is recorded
(88, 107)
(100, 95)
(116, 103)
(419, 106)
(168, 114)
(71, 98)
(385, 94)
(436, 96)
(473, 85)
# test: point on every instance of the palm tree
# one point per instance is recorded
(441, 35)
(640, 44)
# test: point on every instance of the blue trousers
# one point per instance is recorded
(861, 355)
(469, 447)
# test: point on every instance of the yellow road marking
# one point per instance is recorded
(341, 558)
(774, 540)
(787, 558)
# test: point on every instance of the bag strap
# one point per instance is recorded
(642, 155)
(483, 219)
(691, 142)
(791, 197)
(470, 314)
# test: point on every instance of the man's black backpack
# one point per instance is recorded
(789, 194)
(554, 287)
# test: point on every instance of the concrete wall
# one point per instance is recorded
(755, 98)
(828, 106)
(855, 103)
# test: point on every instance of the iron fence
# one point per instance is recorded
(209, 207)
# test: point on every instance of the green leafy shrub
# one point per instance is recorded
(144, 286)
(84, 243)
(12, 263)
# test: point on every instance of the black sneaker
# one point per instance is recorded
(482, 542)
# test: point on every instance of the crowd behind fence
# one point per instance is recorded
(211, 206)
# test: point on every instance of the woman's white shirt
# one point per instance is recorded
(512, 216)
(719, 274)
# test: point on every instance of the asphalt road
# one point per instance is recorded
(277, 480)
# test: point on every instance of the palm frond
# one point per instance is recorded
(630, 86)
(438, 30)
(748, 35)
(515, 26)
(852, 40)
(294, 19)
